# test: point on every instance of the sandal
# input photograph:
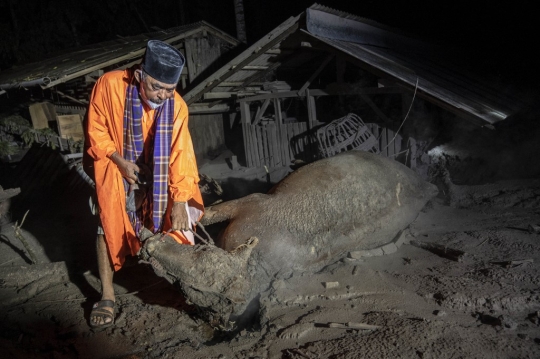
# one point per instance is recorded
(98, 311)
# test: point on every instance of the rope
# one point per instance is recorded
(407, 115)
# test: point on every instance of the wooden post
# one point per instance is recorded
(255, 153)
(312, 110)
(281, 134)
(259, 143)
(261, 111)
(246, 124)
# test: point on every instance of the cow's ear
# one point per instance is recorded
(244, 250)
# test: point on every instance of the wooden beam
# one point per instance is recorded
(258, 75)
(312, 112)
(315, 74)
(128, 56)
(199, 108)
(246, 122)
(219, 76)
(239, 83)
(221, 95)
(327, 92)
(261, 111)
(278, 52)
(82, 102)
(190, 65)
(277, 111)
(254, 68)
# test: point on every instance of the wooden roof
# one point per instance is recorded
(301, 41)
(82, 61)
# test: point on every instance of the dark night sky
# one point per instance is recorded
(498, 35)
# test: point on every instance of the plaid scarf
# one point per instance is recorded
(156, 200)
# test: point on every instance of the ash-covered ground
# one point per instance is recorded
(415, 303)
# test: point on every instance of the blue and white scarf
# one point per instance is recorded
(156, 200)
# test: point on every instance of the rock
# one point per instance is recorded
(439, 313)
(329, 285)
(389, 248)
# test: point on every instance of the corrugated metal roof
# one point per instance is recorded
(389, 53)
(82, 61)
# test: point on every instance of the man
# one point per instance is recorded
(143, 163)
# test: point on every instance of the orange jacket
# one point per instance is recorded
(105, 119)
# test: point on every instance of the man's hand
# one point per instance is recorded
(179, 217)
(127, 169)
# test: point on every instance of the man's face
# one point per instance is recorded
(154, 90)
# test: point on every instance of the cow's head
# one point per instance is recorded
(214, 280)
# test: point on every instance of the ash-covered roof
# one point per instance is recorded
(413, 65)
(82, 61)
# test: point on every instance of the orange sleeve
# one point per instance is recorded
(184, 177)
(101, 143)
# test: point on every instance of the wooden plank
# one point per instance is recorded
(294, 143)
(266, 154)
(41, 113)
(254, 68)
(246, 121)
(270, 130)
(250, 145)
(275, 145)
(245, 134)
(348, 90)
(82, 102)
(261, 111)
(253, 142)
(288, 136)
(198, 108)
(280, 144)
(281, 133)
(412, 152)
(70, 126)
(255, 157)
(260, 145)
(230, 69)
(105, 64)
(384, 149)
(305, 139)
(285, 146)
(297, 142)
(312, 111)
(270, 138)
(256, 76)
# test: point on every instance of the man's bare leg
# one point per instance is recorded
(106, 276)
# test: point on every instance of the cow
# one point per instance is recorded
(353, 201)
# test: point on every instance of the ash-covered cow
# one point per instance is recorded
(353, 201)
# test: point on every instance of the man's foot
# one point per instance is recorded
(102, 314)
